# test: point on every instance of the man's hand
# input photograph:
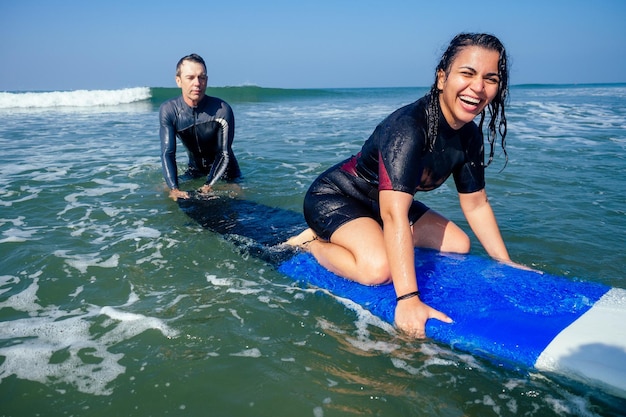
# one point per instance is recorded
(205, 189)
(175, 194)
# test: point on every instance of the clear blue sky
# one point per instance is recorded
(82, 44)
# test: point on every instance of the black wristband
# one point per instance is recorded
(409, 295)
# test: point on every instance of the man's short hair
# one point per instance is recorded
(193, 58)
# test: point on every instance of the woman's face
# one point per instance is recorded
(470, 85)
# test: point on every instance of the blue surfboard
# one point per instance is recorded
(517, 318)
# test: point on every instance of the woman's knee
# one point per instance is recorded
(374, 271)
(460, 243)
(434, 231)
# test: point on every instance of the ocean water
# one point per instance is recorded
(114, 302)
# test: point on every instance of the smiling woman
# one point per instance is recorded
(363, 220)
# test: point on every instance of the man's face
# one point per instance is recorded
(192, 82)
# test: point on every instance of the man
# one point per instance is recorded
(206, 127)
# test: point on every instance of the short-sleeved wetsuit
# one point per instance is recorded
(207, 131)
(396, 157)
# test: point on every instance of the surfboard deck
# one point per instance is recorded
(517, 318)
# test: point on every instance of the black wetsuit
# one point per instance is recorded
(207, 131)
(396, 157)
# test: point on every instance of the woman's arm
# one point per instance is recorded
(411, 313)
(481, 219)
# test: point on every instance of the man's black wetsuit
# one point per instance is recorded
(396, 157)
(207, 131)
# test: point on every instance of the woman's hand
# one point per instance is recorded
(519, 266)
(411, 316)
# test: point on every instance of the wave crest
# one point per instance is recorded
(76, 98)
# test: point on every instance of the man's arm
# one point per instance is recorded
(167, 134)
(226, 120)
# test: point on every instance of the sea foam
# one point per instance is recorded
(59, 346)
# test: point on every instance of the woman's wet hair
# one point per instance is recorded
(497, 121)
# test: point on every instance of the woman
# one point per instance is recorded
(363, 220)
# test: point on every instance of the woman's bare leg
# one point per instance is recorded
(356, 251)
(433, 231)
(303, 239)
